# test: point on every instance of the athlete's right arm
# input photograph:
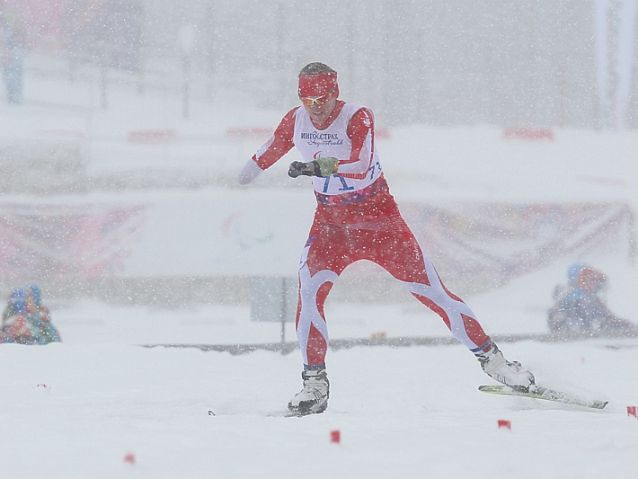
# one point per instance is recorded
(270, 152)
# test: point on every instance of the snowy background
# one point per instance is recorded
(119, 198)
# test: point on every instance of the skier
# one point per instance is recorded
(356, 219)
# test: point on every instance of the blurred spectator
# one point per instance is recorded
(40, 316)
(17, 299)
(15, 324)
(26, 320)
(579, 307)
(13, 49)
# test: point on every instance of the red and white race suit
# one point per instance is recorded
(357, 219)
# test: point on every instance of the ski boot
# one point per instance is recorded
(313, 398)
(510, 373)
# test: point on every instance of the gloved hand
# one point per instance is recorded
(322, 167)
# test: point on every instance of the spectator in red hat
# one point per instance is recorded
(580, 307)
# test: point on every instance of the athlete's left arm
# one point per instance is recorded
(359, 127)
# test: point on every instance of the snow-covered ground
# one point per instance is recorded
(77, 409)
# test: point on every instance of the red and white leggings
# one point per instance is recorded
(389, 243)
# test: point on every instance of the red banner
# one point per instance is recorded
(65, 241)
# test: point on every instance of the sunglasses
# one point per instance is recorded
(314, 100)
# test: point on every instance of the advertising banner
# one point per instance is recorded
(227, 234)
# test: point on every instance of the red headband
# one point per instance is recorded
(319, 84)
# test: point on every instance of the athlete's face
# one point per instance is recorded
(319, 108)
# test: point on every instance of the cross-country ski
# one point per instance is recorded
(547, 394)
